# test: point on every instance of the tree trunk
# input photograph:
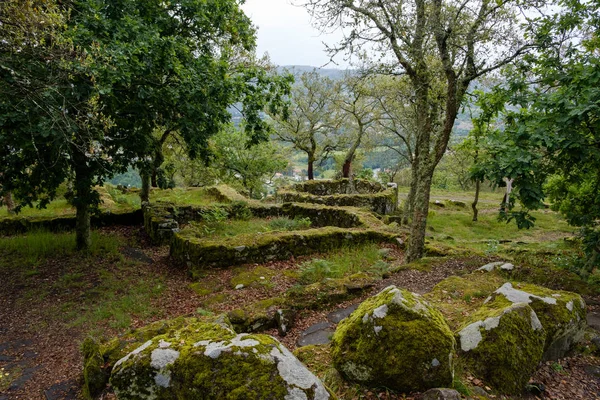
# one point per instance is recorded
(9, 202)
(410, 199)
(153, 180)
(82, 226)
(416, 242)
(145, 193)
(346, 168)
(476, 200)
(311, 162)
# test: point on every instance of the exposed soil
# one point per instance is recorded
(42, 353)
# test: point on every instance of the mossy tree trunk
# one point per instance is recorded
(418, 225)
(476, 200)
(410, 199)
(145, 192)
(310, 167)
(85, 198)
(347, 166)
(9, 202)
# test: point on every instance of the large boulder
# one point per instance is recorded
(503, 344)
(99, 358)
(397, 340)
(562, 314)
(209, 360)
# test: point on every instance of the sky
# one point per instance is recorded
(285, 32)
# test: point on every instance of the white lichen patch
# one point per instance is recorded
(357, 372)
(507, 267)
(160, 358)
(569, 305)
(380, 312)
(536, 324)
(470, 336)
(133, 353)
(490, 267)
(435, 362)
(378, 329)
(519, 296)
(214, 349)
(163, 344)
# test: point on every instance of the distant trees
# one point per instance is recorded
(312, 122)
(85, 88)
(441, 47)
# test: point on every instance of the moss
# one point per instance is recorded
(208, 361)
(459, 297)
(509, 349)
(408, 348)
(98, 359)
(215, 299)
(317, 295)
(206, 287)
(257, 317)
(95, 375)
(244, 249)
(258, 276)
(562, 314)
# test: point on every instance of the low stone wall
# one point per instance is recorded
(19, 224)
(201, 253)
(343, 193)
(382, 202)
(340, 186)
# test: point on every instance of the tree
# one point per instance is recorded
(176, 66)
(550, 111)
(251, 165)
(312, 123)
(441, 46)
(359, 111)
(397, 126)
(80, 101)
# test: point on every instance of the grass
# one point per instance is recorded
(30, 249)
(113, 199)
(343, 262)
(85, 290)
(234, 227)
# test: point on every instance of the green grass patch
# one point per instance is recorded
(235, 227)
(187, 196)
(34, 247)
(343, 262)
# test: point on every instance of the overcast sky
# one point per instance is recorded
(285, 32)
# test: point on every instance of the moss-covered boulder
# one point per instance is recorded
(99, 358)
(208, 360)
(397, 340)
(562, 314)
(256, 317)
(503, 344)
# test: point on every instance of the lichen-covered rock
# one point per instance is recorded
(397, 340)
(562, 314)
(209, 360)
(502, 344)
(99, 358)
(257, 317)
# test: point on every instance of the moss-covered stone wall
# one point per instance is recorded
(365, 194)
(19, 224)
(340, 186)
(200, 253)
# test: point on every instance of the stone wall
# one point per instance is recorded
(369, 195)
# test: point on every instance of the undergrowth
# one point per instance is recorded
(344, 262)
